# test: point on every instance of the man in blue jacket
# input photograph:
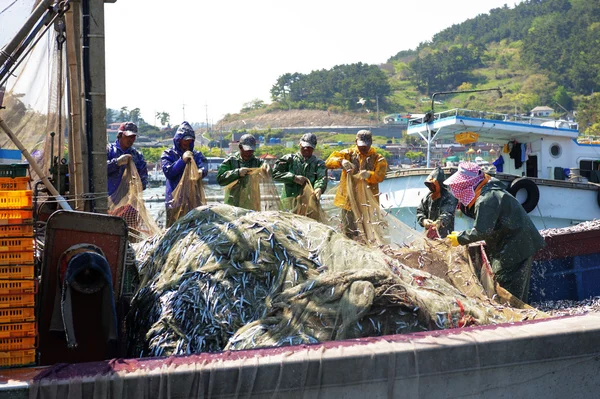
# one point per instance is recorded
(174, 159)
(120, 153)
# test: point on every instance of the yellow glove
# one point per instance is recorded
(453, 238)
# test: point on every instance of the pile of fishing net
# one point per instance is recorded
(226, 278)
(128, 202)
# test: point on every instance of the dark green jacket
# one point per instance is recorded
(229, 171)
(440, 209)
(291, 165)
(500, 220)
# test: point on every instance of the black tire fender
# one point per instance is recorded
(533, 192)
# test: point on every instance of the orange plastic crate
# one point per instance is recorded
(16, 230)
(16, 244)
(17, 358)
(17, 301)
(15, 272)
(15, 216)
(15, 330)
(18, 183)
(10, 287)
(15, 344)
(17, 315)
(16, 258)
(16, 199)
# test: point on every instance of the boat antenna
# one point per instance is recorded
(457, 92)
(430, 115)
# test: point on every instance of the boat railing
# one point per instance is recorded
(456, 112)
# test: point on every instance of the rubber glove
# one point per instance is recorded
(427, 223)
(347, 165)
(317, 193)
(453, 238)
(363, 174)
(300, 180)
(243, 171)
(123, 159)
(187, 156)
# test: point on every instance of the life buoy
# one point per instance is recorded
(533, 192)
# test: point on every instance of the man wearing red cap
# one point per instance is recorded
(120, 153)
(510, 236)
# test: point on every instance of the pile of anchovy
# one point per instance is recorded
(578, 228)
(569, 307)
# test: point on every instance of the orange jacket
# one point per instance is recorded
(373, 162)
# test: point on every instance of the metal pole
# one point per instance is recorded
(95, 95)
(10, 47)
(61, 201)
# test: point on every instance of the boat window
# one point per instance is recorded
(586, 167)
(555, 150)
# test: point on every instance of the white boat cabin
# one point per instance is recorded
(550, 146)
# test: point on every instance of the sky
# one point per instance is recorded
(199, 60)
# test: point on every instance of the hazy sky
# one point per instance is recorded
(217, 55)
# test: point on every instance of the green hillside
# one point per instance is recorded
(541, 52)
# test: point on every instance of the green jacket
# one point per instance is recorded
(229, 171)
(442, 208)
(500, 220)
(291, 165)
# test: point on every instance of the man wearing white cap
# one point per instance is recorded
(510, 236)
(295, 170)
(236, 167)
(363, 161)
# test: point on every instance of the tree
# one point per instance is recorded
(163, 118)
(124, 114)
(134, 116)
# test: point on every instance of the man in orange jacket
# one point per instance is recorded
(361, 160)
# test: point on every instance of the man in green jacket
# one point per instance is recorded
(295, 170)
(510, 236)
(436, 210)
(236, 168)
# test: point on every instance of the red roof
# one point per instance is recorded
(267, 156)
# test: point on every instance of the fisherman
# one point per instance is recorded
(236, 168)
(436, 211)
(295, 170)
(510, 236)
(363, 161)
(174, 160)
(120, 153)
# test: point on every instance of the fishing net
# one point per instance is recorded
(188, 194)
(307, 204)
(227, 278)
(127, 202)
(35, 90)
(257, 192)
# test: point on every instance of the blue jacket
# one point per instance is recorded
(115, 173)
(172, 164)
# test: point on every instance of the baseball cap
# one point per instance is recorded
(248, 142)
(128, 129)
(364, 138)
(308, 140)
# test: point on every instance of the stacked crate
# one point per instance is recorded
(18, 330)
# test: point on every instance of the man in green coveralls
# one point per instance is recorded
(236, 167)
(295, 170)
